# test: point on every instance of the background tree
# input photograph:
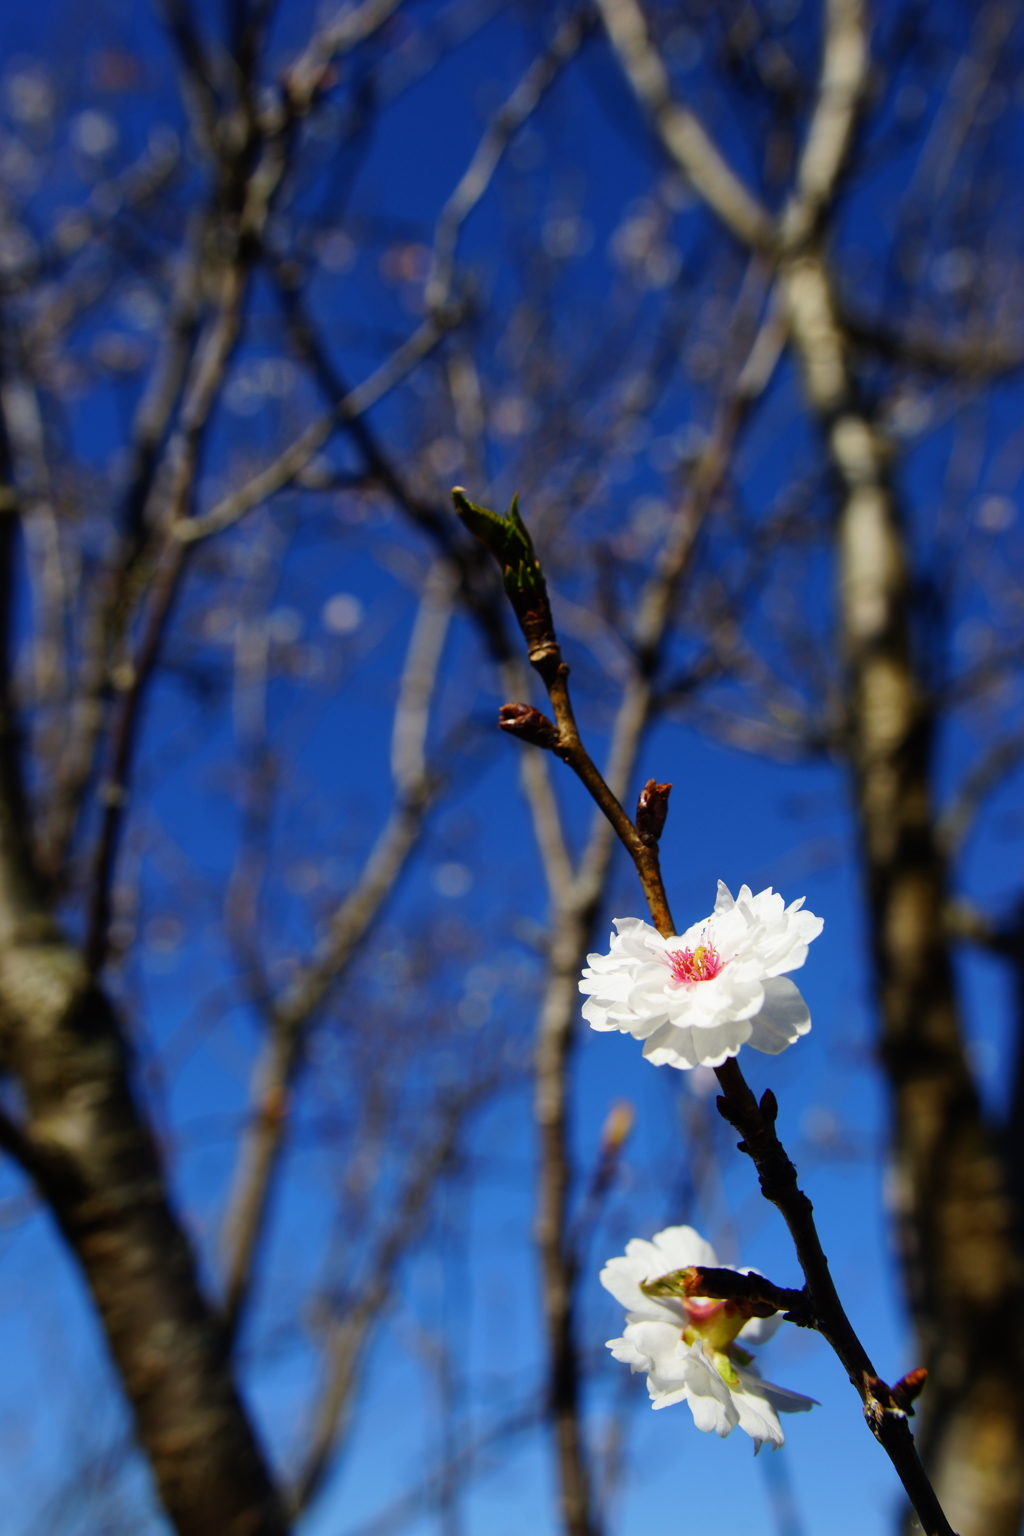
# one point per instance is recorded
(730, 295)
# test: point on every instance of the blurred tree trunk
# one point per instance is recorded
(94, 1160)
(955, 1211)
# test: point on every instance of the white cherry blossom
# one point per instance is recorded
(694, 1350)
(695, 998)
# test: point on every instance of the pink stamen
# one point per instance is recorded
(700, 964)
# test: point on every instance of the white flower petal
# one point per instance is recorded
(673, 1248)
(647, 1346)
(695, 1047)
(678, 1248)
(757, 1418)
(781, 1398)
(710, 1400)
(783, 1018)
(622, 1277)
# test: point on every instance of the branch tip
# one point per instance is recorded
(508, 539)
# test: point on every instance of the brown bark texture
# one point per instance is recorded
(96, 1163)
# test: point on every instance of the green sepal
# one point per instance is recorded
(508, 540)
(673, 1284)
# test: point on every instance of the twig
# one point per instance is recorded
(840, 93)
(312, 71)
(461, 1464)
(841, 86)
(289, 464)
(957, 819)
(348, 1334)
(760, 1296)
(505, 124)
(210, 363)
(778, 1179)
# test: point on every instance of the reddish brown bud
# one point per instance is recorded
(651, 810)
(528, 724)
(908, 1387)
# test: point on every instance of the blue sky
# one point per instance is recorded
(734, 817)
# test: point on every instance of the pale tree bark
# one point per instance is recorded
(955, 1213)
(957, 1227)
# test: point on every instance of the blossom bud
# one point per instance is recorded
(617, 1126)
(908, 1387)
(528, 724)
(508, 539)
(651, 810)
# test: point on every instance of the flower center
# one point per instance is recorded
(716, 1324)
(699, 964)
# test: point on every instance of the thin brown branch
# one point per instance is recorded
(510, 543)
(199, 85)
(442, 315)
(106, 603)
(210, 365)
(760, 1296)
(978, 356)
(575, 898)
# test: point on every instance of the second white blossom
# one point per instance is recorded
(691, 1350)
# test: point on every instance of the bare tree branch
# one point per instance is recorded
(682, 134)
(285, 469)
(290, 1017)
(347, 1334)
(956, 821)
(841, 86)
